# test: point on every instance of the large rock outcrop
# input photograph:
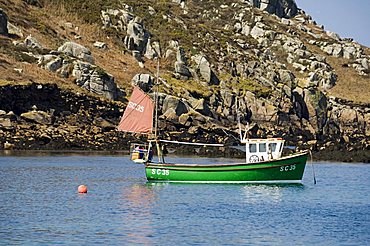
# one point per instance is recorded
(75, 60)
(95, 79)
(144, 81)
(281, 8)
(76, 50)
(203, 67)
(3, 23)
(136, 37)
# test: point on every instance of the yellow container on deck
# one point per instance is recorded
(135, 155)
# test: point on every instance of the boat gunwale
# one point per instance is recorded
(228, 170)
(208, 166)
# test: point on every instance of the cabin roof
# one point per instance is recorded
(261, 140)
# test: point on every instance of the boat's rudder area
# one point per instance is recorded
(141, 153)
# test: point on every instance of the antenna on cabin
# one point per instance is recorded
(246, 131)
(238, 118)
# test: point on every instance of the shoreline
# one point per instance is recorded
(359, 156)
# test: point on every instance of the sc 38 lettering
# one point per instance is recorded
(160, 172)
(287, 168)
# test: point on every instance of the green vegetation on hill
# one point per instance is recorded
(88, 11)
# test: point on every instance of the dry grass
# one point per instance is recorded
(350, 84)
(15, 71)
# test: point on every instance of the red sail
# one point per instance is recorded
(138, 116)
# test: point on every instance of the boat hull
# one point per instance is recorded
(284, 170)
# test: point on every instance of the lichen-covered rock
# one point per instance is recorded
(287, 77)
(316, 103)
(349, 52)
(323, 79)
(95, 79)
(185, 119)
(150, 51)
(281, 8)
(200, 105)
(257, 31)
(8, 146)
(137, 38)
(182, 70)
(137, 34)
(367, 121)
(39, 117)
(176, 104)
(263, 111)
(6, 124)
(76, 50)
(101, 45)
(116, 18)
(144, 81)
(14, 30)
(32, 42)
(137, 56)
(204, 68)
(3, 23)
(54, 65)
(333, 35)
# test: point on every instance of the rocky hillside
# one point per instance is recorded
(67, 68)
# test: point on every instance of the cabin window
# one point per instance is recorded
(262, 147)
(281, 147)
(272, 147)
(252, 148)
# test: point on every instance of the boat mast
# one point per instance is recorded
(156, 102)
(156, 91)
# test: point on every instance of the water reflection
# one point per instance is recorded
(138, 200)
(255, 194)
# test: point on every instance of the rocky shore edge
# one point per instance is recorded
(46, 118)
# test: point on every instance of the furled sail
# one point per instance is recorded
(138, 116)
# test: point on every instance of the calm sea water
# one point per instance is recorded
(39, 205)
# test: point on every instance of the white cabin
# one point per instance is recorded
(259, 150)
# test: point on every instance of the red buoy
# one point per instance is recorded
(82, 189)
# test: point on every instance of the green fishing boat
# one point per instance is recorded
(285, 170)
(263, 163)
(259, 167)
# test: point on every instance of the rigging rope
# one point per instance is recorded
(313, 169)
